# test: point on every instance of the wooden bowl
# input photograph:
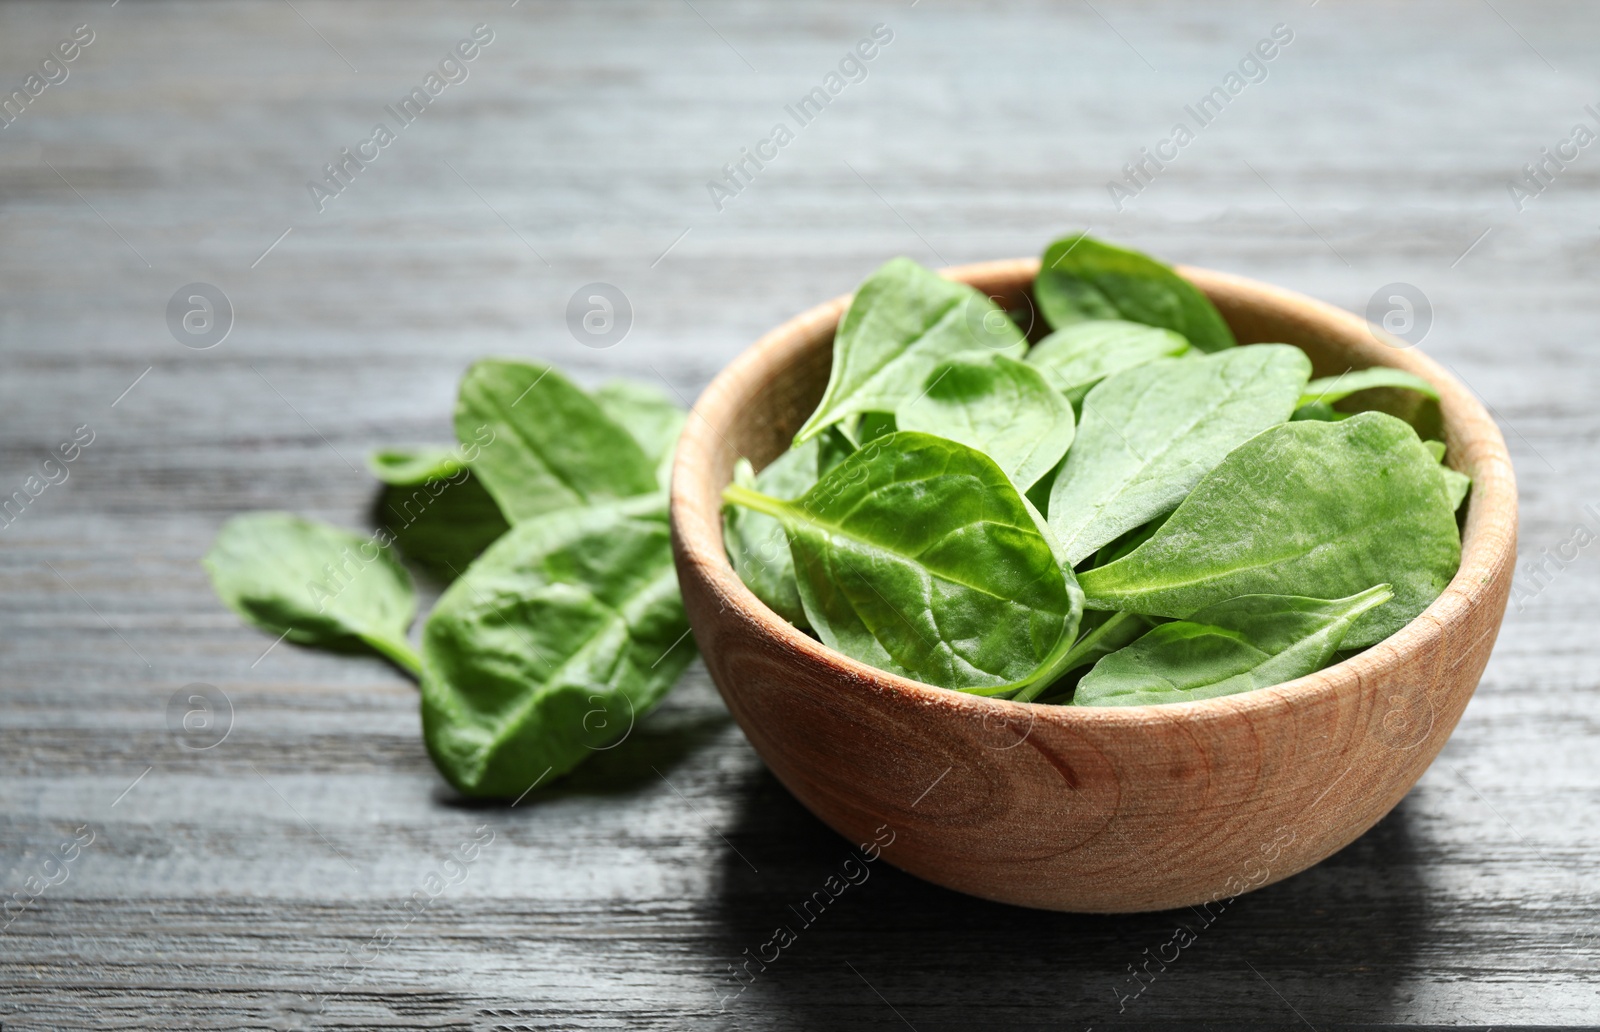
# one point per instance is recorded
(1089, 809)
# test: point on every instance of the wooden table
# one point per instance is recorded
(259, 883)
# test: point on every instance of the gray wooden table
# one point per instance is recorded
(260, 883)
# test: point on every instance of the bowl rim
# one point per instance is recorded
(1488, 535)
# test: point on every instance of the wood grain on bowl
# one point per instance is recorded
(1084, 809)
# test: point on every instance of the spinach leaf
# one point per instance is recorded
(997, 405)
(1111, 552)
(441, 523)
(917, 555)
(1081, 278)
(1329, 389)
(1078, 356)
(413, 467)
(551, 446)
(833, 447)
(1245, 643)
(901, 322)
(1306, 508)
(1456, 486)
(1108, 634)
(650, 415)
(873, 425)
(1150, 433)
(559, 637)
(1378, 389)
(1319, 410)
(756, 542)
(1418, 410)
(314, 584)
(1038, 495)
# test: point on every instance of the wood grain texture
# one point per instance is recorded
(1383, 138)
(1107, 810)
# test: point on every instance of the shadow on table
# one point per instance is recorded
(1329, 946)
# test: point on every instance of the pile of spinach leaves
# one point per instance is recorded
(561, 624)
(1133, 510)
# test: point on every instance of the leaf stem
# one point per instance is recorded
(397, 652)
(737, 494)
(1093, 639)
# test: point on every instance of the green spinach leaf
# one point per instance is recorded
(565, 632)
(901, 322)
(1378, 389)
(439, 522)
(1245, 643)
(1150, 433)
(653, 418)
(917, 555)
(1456, 486)
(413, 467)
(1081, 278)
(833, 447)
(873, 425)
(1078, 356)
(1111, 552)
(1319, 410)
(997, 405)
(551, 446)
(756, 542)
(1306, 508)
(1330, 389)
(314, 584)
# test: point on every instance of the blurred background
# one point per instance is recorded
(1420, 164)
